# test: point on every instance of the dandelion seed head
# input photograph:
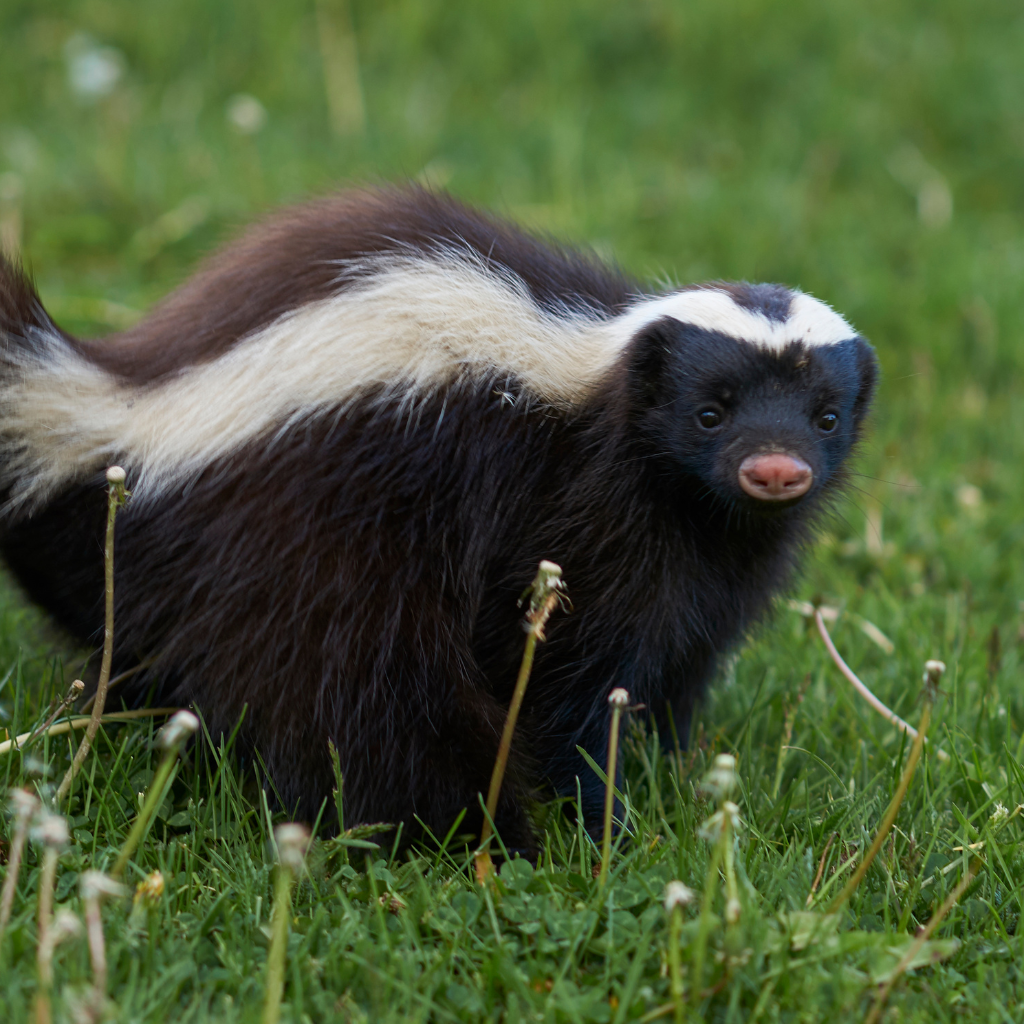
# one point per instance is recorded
(721, 780)
(66, 925)
(93, 70)
(50, 830)
(1000, 814)
(24, 804)
(292, 842)
(678, 895)
(245, 114)
(182, 726)
(95, 884)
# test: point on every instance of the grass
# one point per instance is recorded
(815, 143)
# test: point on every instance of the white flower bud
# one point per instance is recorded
(115, 475)
(678, 895)
(933, 670)
(182, 725)
(94, 884)
(50, 830)
(711, 830)
(150, 889)
(720, 782)
(24, 804)
(66, 925)
(619, 697)
(292, 843)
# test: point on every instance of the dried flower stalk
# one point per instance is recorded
(180, 728)
(292, 842)
(116, 497)
(544, 593)
(26, 805)
(932, 673)
(619, 700)
(862, 689)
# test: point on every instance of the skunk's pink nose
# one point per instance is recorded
(775, 477)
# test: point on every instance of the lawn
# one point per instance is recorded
(869, 153)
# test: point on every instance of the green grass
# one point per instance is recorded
(795, 141)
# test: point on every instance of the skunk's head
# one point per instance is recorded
(755, 392)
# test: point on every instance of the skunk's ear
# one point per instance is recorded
(650, 358)
(867, 375)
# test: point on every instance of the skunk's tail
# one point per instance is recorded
(22, 317)
(46, 381)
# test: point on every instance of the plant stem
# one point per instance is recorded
(862, 689)
(69, 698)
(292, 842)
(154, 797)
(891, 811)
(70, 724)
(544, 595)
(922, 937)
(44, 948)
(821, 869)
(25, 804)
(787, 734)
(278, 944)
(97, 946)
(115, 498)
(704, 927)
(609, 788)
(675, 967)
(501, 761)
(732, 895)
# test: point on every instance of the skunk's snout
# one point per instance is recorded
(775, 476)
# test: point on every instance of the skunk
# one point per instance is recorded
(351, 437)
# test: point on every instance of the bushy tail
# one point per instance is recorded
(24, 324)
(45, 380)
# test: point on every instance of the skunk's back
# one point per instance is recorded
(312, 251)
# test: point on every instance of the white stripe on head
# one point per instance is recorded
(810, 321)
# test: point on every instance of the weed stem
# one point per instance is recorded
(93, 886)
(26, 806)
(932, 673)
(922, 937)
(44, 947)
(677, 896)
(172, 735)
(116, 497)
(70, 724)
(544, 595)
(52, 831)
(862, 689)
(292, 841)
(618, 699)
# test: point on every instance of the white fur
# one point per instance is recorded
(810, 321)
(413, 325)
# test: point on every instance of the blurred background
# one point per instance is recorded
(870, 153)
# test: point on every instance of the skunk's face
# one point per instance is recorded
(762, 427)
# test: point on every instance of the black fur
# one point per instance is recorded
(356, 578)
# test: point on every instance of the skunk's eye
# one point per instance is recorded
(709, 418)
(827, 421)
